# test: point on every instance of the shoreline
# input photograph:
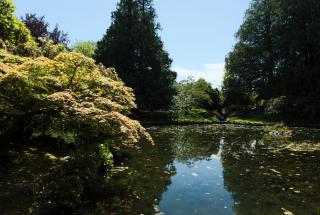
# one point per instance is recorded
(255, 124)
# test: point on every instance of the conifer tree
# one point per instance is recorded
(132, 46)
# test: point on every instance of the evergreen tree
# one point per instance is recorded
(133, 46)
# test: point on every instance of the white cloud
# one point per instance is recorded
(212, 73)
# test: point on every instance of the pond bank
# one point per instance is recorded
(163, 118)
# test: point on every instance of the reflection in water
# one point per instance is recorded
(197, 188)
(270, 182)
(249, 178)
(221, 170)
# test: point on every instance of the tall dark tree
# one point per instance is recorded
(251, 63)
(300, 55)
(277, 55)
(132, 45)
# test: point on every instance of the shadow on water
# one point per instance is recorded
(223, 170)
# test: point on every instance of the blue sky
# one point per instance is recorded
(198, 34)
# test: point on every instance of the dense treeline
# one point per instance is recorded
(133, 46)
(275, 64)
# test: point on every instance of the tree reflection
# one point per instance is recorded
(269, 182)
(191, 143)
(261, 180)
(146, 174)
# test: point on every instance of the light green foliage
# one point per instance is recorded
(276, 106)
(106, 155)
(12, 60)
(198, 95)
(183, 100)
(202, 93)
(49, 49)
(66, 92)
(13, 33)
(68, 103)
(195, 97)
(86, 48)
(72, 111)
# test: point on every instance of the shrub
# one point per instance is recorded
(14, 33)
(49, 49)
(86, 48)
(69, 91)
(276, 106)
(79, 106)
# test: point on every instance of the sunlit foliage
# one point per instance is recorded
(87, 48)
(60, 95)
(73, 110)
(13, 33)
(198, 94)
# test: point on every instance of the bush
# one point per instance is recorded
(66, 102)
(276, 106)
(49, 49)
(14, 33)
(67, 94)
(86, 48)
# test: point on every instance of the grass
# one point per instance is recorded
(255, 118)
(200, 116)
(194, 116)
(241, 120)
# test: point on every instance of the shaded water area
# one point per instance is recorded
(224, 170)
(216, 170)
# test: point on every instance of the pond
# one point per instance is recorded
(220, 170)
(207, 169)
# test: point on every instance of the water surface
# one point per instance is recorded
(209, 170)
(222, 170)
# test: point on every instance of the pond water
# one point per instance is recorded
(220, 170)
(209, 170)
